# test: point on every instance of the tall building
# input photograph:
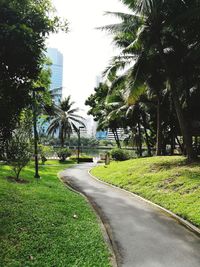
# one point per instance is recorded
(56, 87)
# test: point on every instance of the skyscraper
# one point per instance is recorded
(56, 87)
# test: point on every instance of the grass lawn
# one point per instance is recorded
(167, 181)
(38, 226)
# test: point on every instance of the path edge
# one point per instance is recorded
(106, 236)
(180, 220)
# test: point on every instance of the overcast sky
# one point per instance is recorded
(86, 50)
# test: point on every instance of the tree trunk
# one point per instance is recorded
(140, 139)
(62, 141)
(196, 143)
(68, 140)
(61, 137)
(180, 145)
(172, 141)
(159, 130)
(118, 141)
(116, 138)
(17, 172)
(146, 136)
(187, 137)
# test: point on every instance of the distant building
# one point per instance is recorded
(87, 131)
(101, 135)
(120, 133)
(56, 87)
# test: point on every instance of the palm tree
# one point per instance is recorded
(172, 44)
(158, 29)
(65, 121)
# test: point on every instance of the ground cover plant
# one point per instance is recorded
(43, 223)
(167, 181)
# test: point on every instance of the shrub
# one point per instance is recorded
(45, 151)
(63, 153)
(82, 158)
(86, 159)
(18, 151)
(120, 154)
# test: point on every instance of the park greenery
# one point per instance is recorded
(45, 224)
(19, 150)
(65, 120)
(24, 26)
(151, 89)
(120, 154)
(167, 181)
(63, 153)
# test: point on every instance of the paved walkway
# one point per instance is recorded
(143, 236)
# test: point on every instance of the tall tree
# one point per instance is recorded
(24, 27)
(166, 31)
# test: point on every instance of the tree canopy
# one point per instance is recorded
(24, 27)
(159, 42)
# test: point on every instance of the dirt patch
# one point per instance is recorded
(190, 190)
(166, 183)
(13, 179)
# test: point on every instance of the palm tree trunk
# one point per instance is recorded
(140, 139)
(159, 130)
(68, 140)
(62, 139)
(118, 141)
(187, 137)
(116, 138)
(146, 136)
(172, 143)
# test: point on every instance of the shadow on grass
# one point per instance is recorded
(52, 163)
(170, 165)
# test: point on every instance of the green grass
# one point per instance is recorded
(167, 181)
(37, 224)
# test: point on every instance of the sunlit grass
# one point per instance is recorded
(38, 226)
(167, 181)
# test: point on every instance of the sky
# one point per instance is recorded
(86, 50)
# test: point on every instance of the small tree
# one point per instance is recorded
(45, 152)
(120, 154)
(19, 151)
(63, 153)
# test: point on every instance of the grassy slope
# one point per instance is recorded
(167, 181)
(37, 227)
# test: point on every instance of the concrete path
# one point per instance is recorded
(142, 235)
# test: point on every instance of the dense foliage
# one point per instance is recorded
(24, 27)
(152, 87)
(19, 150)
(120, 154)
(63, 153)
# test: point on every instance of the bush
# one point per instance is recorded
(83, 158)
(63, 153)
(120, 154)
(18, 151)
(44, 152)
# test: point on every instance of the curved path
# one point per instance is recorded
(142, 235)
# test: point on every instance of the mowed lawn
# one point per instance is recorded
(43, 223)
(167, 181)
